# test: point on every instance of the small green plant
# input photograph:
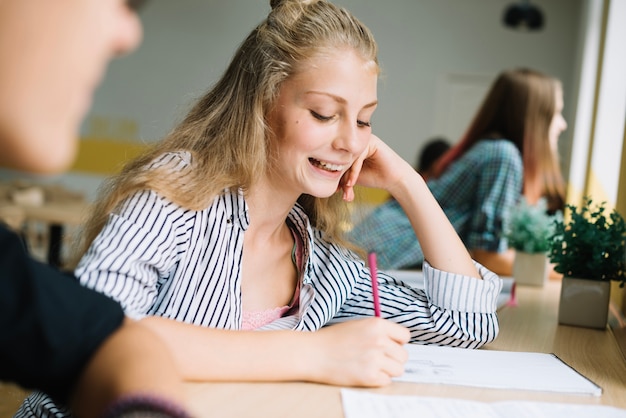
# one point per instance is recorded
(590, 245)
(531, 227)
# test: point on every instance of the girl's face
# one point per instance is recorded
(558, 123)
(54, 54)
(322, 122)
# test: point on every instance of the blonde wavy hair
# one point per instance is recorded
(226, 131)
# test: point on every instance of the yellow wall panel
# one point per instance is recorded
(105, 156)
(370, 196)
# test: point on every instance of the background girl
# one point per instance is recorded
(508, 152)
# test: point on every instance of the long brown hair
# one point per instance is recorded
(519, 107)
(226, 131)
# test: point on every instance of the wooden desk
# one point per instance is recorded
(530, 326)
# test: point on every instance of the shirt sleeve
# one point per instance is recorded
(452, 309)
(499, 185)
(51, 326)
(138, 247)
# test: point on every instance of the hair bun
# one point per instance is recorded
(277, 3)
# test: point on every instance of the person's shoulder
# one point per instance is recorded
(499, 149)
(496, 145)
(177, 160)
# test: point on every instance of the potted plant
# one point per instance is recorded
(529, 231)
(590, 251)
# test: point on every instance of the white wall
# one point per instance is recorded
(188, 43)
(423, 40)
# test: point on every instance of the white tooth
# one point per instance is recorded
(329, 166)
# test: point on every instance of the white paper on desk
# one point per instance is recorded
(494, 369)
(415, 278)
(363, 404)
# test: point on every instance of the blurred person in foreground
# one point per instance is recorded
(56, 335)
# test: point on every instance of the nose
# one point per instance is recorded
(347, 138)
(129, 32)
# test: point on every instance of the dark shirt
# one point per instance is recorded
(49, 324)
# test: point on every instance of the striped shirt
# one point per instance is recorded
(477, 193)
(157, 258)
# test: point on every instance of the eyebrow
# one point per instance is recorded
(340, 99)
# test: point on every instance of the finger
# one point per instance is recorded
(347, 189)
(353, 172)
(397, 353)
(382, 379)
(348, 194)
(386, 369)
(392, 367)
(398, 333)
(349, 180)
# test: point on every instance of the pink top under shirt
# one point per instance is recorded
(251, 320)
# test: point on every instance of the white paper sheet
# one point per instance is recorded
(494, 369)
(363, 404)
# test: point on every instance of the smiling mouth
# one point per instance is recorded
(333, 168)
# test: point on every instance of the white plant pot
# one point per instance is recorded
(584, 303)
(530, 269)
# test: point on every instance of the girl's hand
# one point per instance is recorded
(378, 166)
(361, 352)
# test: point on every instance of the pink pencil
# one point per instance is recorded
(371, 258)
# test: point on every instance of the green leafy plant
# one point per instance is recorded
(591, 244)
(531, 227)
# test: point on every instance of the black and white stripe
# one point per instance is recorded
(157, 258)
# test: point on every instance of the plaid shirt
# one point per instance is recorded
(477, 194)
